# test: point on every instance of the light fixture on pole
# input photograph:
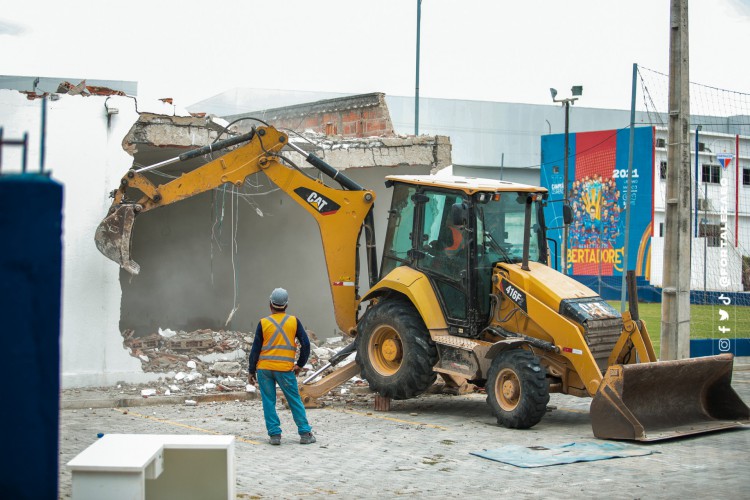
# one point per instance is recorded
(577, 91)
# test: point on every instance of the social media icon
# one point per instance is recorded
(723, 315)
(725, 345)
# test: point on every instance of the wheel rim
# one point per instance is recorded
(386, 351)
(508, 389)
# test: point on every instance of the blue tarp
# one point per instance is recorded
(543, 456)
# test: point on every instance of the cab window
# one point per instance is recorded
(398, 236)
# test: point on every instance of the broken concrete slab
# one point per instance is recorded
(226, 368)
(163, 131)
(426, 151)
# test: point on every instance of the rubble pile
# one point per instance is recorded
(216, 361)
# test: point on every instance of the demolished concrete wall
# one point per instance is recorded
(191, 280)
(190, 277)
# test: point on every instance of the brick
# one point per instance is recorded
(311, 122)
(382, 403)
(350, 116)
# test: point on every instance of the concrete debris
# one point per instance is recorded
(432, 151)
(161, 131)
(323, 352)
(167, 333)
(226, 368)
(86, 90)
(183, 352)
(190, 402)
(200, 340)
(208, 361)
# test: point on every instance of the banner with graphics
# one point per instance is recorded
(597, 192)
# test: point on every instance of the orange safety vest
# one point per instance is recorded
(279, 349)
(458, 241)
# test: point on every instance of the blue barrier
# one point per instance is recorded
(30, 288)
(712, 347)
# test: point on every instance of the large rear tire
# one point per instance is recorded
(517, 389)
(395, 351)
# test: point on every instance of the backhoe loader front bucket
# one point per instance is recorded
(113, 236)
(667, 399)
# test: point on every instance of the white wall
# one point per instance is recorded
(85, 154)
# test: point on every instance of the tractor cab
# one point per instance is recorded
(455, 230)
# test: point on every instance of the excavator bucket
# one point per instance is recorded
(113, 236)
(667, 399)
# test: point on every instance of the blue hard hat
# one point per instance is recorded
(279, 297)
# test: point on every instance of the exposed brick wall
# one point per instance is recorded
(363, 115)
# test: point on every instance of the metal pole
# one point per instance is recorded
(628, 204)
(566, 104)
(502, 165)
(43, 141)
(416, 88)
(675, 313)
(695, 219)
(25, 153)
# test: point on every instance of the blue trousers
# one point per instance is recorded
(267, 380)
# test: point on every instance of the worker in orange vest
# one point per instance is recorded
(272, 362)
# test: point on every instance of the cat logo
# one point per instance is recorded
(325, 206)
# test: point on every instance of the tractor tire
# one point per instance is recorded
(395, 351)
(517, 389)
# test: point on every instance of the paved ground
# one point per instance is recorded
(421, 449)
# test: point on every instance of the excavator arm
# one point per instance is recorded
(340, 213)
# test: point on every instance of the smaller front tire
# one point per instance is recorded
(517, 389)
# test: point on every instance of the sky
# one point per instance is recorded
(509, 51)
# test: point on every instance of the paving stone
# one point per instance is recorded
(421, 447)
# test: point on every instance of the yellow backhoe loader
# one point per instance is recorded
(464, 291)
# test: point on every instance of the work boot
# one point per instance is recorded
(307, 438)
(275, 439)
